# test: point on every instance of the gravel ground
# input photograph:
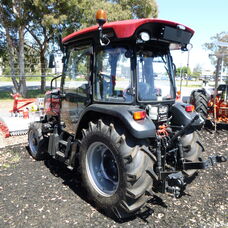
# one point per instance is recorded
(46, 194)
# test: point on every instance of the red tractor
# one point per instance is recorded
(115, 118)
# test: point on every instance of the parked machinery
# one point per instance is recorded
(115, 118)
(215, 109)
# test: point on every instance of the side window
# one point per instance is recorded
(76, 87)
(78, 71)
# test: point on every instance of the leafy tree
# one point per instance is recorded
(63, 17)
(183, 71)
(3, 48)
(117, 10)
(197, 71)
(140, 9)
(14, 15)
(46, 20)
(49, 18)
(217, 50)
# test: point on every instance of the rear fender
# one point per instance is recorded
(140, 129)
(182, 118)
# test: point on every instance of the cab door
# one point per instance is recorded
(76, 86)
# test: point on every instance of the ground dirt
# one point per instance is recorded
(46, 194)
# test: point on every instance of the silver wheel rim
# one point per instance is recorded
(33, 143)
(102, 169)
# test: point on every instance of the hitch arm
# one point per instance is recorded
(211, 161)
(183, 131)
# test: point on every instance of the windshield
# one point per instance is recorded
(153, 77)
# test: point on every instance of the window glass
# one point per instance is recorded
(113, 75)
(78, 68)
(76, 87)
(154, 83)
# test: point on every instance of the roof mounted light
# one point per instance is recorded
(101, 17)
(145, 36)
(182, 27)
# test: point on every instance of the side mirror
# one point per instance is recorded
(51, 61)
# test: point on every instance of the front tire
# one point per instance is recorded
(36, 142)
(115, 171)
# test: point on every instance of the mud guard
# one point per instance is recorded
(182, 118)
(140, 129)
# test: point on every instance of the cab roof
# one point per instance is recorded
(124, 29)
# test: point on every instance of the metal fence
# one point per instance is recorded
(32, 81)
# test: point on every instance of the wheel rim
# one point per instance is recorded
(102, 169)
(33, 143)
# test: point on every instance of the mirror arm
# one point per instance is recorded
(54, 79)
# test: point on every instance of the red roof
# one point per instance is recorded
(123, 29)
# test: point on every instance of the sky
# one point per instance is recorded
(205, 17)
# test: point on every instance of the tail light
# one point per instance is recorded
(189, 108)
(139, 115)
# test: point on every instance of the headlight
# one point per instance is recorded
(144, 36)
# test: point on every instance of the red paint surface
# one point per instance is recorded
(4, 129)
(123, 29)
(16, 102)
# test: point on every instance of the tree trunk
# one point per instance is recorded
(43, 70)
(11, 59)
(23, 89)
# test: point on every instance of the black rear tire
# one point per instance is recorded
(192, 150)
(200, 102)
(133, 168)
(37, 144)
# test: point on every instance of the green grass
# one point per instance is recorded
(4, 95)
(8, 79)
(34, 93)
(189, 86)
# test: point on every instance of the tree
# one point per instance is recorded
(46, 20)
(140, 9)
(197, 71)
(217, 50)
(14, 15)
(117, 10)
(183, 71)
(63, 17)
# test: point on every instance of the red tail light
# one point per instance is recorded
(139, 115)
(189, 108)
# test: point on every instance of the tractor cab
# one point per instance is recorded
(121, 63)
